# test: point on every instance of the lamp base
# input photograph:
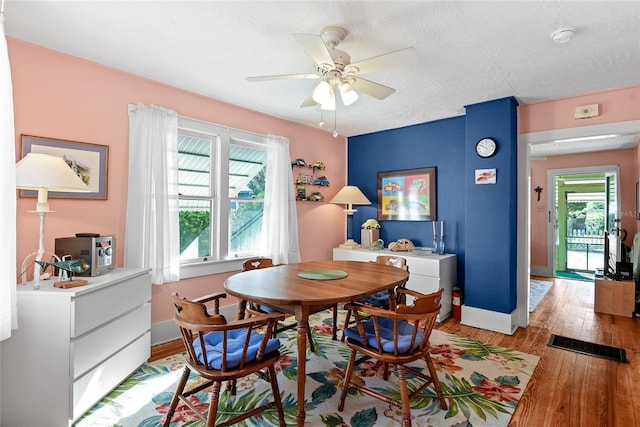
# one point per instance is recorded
(350, 244)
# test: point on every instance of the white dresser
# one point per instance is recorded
(73, 346)
(426, 273)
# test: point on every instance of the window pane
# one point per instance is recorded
(246, 172)
(245, 223)
(195, 233)
(194, 165)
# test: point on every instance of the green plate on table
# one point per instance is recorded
(324, 274)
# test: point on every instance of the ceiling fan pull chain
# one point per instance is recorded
(335, 131)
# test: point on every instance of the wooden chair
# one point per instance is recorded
(395, 337)
(383, 299)
(254, 309)
(232, 350)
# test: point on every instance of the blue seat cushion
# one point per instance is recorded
(266, 309)
(235, 343)
(379, 299)
(405, 330)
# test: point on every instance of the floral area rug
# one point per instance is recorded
(482, 384)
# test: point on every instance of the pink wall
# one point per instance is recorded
(617, 105)
(60, 96)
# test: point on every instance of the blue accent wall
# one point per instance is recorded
(491, 210)
(440, 144)
(480, 220)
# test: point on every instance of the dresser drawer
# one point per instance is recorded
(90, 388)
(424, 266)
(351, 255)
(91, 310)
(96, 346)
(423, 284)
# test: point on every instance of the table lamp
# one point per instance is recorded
(350, 195)
(44, 173)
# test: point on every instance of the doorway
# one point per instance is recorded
(581, 199)
(627, 131)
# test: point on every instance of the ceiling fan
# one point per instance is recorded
(337, 72)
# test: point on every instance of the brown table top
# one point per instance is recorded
(281, 285)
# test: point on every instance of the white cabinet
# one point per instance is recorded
(73, 346)
(426, 273)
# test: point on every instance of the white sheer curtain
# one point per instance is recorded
(152, 237)
(280, 220)
(8, 312)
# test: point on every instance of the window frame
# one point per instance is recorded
(221, 202)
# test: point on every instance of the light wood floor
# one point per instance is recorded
(567, 388)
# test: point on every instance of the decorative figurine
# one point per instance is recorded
(401, 245)
(377, 245)
(370, 224)
(316, 196)
(323, 181)
(317, 165)
(70, 266)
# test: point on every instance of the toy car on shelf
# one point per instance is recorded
(318, 165)
(403, 244)
(370, 224)
(316, 196)
(299, 162)
(323, 181)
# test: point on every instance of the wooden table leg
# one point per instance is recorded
(302, 317)
(241, 308)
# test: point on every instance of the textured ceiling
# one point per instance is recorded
(468, 52)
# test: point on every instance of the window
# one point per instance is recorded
(221, 174)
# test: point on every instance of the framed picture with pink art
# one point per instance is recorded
(407, 195)
(88, 161)
(485, 176)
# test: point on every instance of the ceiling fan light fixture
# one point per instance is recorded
(329, 104)
(349, 96)
(322, 92)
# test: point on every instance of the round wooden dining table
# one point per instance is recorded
(308, 287)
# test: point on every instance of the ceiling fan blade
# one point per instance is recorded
(315, 47)
(282, 77)
(398, 58)
(373, 89)
(308, 102)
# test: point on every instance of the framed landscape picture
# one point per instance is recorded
(88, 161)
(407, 195)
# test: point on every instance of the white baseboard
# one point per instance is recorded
(167, 330)
(491, 320)
(541, 270)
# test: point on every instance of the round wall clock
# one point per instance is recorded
(486, 147)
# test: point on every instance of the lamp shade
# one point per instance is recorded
(44, 173)
(350, 195)
(38, 171)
